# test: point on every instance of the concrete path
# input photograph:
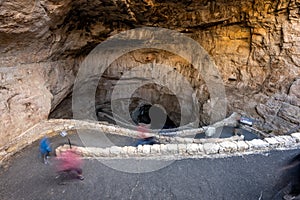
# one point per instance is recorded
(251, 177)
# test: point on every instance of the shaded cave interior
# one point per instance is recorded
(150, 96)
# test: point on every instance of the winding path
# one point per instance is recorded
(247, 177)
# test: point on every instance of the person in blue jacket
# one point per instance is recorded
(45, 149)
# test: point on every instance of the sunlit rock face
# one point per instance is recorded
(254, 44)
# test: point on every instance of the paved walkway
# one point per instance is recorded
(249, 177)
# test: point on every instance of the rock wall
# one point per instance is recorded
(28, 92)
(281, 110)
(255, 44)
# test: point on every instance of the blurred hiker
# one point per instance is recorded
(293, 170)
(144, 138)
(70, 162)
(289, 184)
(237, 127)
(45, 149)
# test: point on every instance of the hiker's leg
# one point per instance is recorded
(46, 156)
(79, 173)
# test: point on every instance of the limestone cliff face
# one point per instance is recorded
(255, 45)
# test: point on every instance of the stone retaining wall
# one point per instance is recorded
(53, 127)
(175, 145)
(217, 149)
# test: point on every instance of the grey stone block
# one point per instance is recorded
(115, 150)
(155, 149)
(288, 140)
(163, 149)
(180, 140)
(172, 148)
(188, 140)
(280, 140)
(123, 152)
(272, 142)
(182, 149)
(140, 149)
(228, 146)
(242, 146)
(211, 148)
(192, 148)
(257, 144)
(102, 152)
(146, 149)
(296, 136)
(131, 151)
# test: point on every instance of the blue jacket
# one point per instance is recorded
(45, 146)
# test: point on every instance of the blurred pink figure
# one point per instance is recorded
(145, 138)
(70, 161)
(143, 129)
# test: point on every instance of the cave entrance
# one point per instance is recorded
(154, 115)
(181, 86)
(147, 105)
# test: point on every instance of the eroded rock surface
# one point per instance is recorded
(28, 92)
(281, 111)
(255, 45)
